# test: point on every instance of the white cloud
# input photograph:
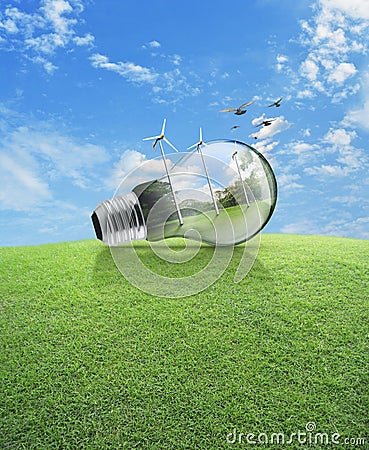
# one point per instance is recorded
(87, 39)
(55, 11)
(154, 44)
(265, 145)
(177, 60)
(301, 227)
(363, 220)
(22, 188)
(133, 72)
(328, 170)
(339, 137)
(67, 157)
(349, 199)
(9, 26)
(175, 84)
(35, 155)
(19, 22)
(281, 60)
(278, 125)
(345, 92)
(331, 40)
(357, 9)
(299, 148)
(322, 225)
(169, 85)
(46, 43)
(48, 65)
(306, 132)
(132, 169)
(309, 69)
(302, 152)
(306, 93)
(51, 221)
(337, 159)
(359, 116)
(340, 73)
(323, 31)
(38, 35)
(353, 159)
(129, 160)
(289, 181)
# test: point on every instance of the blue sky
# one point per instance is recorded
(82, 82)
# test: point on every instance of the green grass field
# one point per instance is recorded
(90, 362)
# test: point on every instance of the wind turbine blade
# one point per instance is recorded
(156, 141)
(170, 144)
(192, 146)
(150, 138)
(200, 135)
(163, 127)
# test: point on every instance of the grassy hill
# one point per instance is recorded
(88, 361)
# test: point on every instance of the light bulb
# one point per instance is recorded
(221, 193)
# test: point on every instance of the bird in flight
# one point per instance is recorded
(276, 103)
(235, 126)
(265, 122)
(240, 110)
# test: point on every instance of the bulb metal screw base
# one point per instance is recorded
(119, 220)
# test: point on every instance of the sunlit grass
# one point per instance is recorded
(88, 361)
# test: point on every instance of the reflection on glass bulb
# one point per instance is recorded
(222, 193)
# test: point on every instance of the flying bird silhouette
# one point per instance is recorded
(277, 103)
(240, 110)
(235, 126)
(265, 122)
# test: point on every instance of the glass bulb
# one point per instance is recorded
(221, 193)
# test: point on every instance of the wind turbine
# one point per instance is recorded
(234, 157)
(198, 146)
(159, 138)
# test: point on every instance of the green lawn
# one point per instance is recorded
(90, 362)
